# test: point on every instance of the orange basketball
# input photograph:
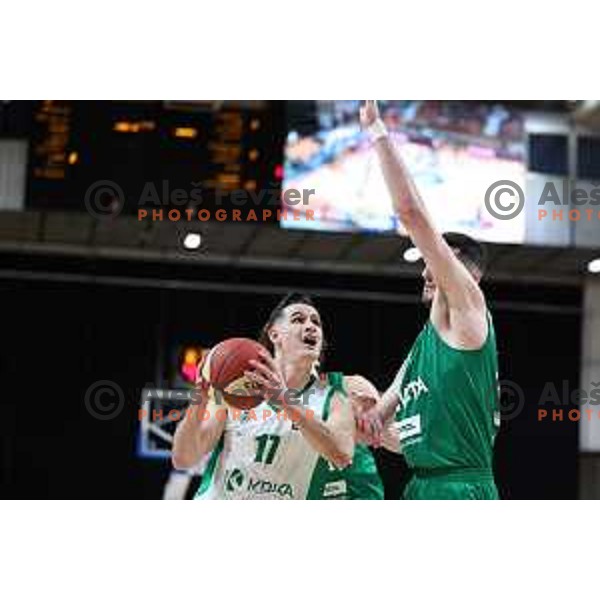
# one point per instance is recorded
(224, 367)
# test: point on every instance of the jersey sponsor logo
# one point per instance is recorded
(262, 486)
(235, 481)
(335, 488)
(413, 390)
(409, 427)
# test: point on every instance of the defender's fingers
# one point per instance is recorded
(376, 430)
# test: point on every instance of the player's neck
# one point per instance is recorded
(296, 373)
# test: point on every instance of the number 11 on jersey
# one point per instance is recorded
(267, 447)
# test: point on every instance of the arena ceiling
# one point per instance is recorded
(263, 246)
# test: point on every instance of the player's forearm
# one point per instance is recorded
(388, 406)
(406, 200)
(451, 276)
(337, 446)
(193, 438)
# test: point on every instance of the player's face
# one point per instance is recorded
(299, 332)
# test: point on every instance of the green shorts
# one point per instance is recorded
(451, 484)
(362, 477)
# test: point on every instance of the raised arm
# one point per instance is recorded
(463, 295)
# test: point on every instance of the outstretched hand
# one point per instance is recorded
(369, 425)
(369, 113)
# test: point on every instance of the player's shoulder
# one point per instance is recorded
(356, 379)
(359, 385)
(355, 386)
(339, 379)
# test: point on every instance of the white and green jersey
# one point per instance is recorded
(263, 456)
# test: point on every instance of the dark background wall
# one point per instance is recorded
(59, 337)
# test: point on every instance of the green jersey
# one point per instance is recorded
(447, 418)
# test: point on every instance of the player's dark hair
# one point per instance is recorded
(291, 298)
(469, 250)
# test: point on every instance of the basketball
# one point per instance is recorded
(224, 368)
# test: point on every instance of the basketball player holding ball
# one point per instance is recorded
(443, 399)
(290, 446)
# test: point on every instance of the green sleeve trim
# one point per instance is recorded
(336, 383)
(210, 467)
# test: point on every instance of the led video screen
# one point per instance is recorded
(454, 150)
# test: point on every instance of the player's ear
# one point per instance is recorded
(273, 335)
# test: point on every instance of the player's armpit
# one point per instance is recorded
(467, 330)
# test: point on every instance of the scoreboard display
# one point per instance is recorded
(161, 153)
